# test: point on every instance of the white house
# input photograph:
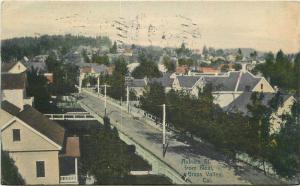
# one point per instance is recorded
(13, 67)
(286, 103)
(13, 88)
(37, 145)
(226, 87)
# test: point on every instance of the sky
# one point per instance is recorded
(265, 26)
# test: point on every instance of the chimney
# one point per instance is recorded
(244, 67)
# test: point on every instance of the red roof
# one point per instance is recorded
(182, 69)
(86, 69)
(209, 70)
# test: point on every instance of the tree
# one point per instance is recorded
(253, 54)
(146, 69)
(239, 55)
(106, 157)
(10, 174)
(38, 88)
(225, 68)
(113, 49)
(101, 60)
(285, 154)
(117, 80)
(296, 75)
(237, 66)
(152, 99)
(185, 61)
(85, 56)
(204, 50)
(183, 51)
(168, 64)
(260, 123)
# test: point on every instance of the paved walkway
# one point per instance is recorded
(197, 161)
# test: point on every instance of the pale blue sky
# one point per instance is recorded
(262, 25)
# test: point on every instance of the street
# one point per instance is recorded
(198, 162)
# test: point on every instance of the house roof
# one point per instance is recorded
(42, 124)
(10, 108)
(5, 67)
(241, 102)
(165, 80)
(224, 82)
(38, 66)
(13, 81)
(187, 81)
(137, 83)
(248, 80)
(72, 148)
(88, 67)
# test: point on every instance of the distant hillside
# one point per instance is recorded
(246, 51)
(17, 48)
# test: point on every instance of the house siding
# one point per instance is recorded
(224, 99)
(18, 68)
(14, 96)
(26, 163)
(30, 141)
(276, 121)
(266, 86)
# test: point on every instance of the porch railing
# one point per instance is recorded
(69, 179)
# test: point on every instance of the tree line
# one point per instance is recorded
(282, 70)
(17, 48)
(231, 133)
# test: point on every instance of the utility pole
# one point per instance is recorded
(98, 84)
(164, 127)
(80, 84)
(0, 128)
(105, 99)
(127, 104)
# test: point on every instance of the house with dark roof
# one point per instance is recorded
(286, 101)
(188, 84)
(13, 67)
(138, 85)
(38, 145)
(13, 88)
(226, 87)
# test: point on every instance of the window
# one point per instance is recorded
(40, 169)
(261, 86)
(16, 135)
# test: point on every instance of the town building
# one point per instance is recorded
(37, 145)
(286, 102)
(13, 84)
(226, 87)
(13, 68)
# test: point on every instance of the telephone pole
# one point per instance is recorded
(164, 127)
(127, 103)
(98, 84)
(105, 99)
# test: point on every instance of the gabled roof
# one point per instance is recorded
(223, 82)
(10, 108)
(187, 81)
(249, 80)
(240, 103)
(5, 67)
(72, 148)
(137, 83)
(42, 124)
(165, 80)
(13, 81)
